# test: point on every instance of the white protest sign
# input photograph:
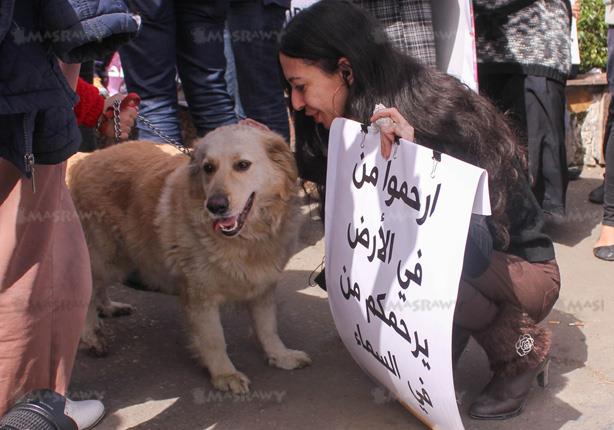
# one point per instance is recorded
(395, 233)
(296, 6)
(454, 30)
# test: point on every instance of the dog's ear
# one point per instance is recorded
(195, 169)
(196, 158)
(280, 154)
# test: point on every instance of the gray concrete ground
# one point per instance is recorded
(150, 381)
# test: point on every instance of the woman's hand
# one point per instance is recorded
(398, 128)
(127, 117)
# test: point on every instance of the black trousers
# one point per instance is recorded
(608, 201)
(536, 106)
(608, 198)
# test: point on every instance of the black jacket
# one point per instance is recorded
(36, 103)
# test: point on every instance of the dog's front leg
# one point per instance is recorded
(93, 336)
(263, 313)
(208, 340)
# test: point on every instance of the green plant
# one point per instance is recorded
(592, 35)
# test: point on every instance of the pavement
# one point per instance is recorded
(150, 381)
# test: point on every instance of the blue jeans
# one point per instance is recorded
(184, 36)
(254, 32)
(231, 74)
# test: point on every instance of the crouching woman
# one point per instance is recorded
(510, 278)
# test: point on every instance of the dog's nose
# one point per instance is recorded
(218, 205)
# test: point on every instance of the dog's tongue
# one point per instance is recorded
(224, 222)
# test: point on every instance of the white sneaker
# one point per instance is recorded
(85, 413)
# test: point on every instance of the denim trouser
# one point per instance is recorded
(254, 32)
(184, 36)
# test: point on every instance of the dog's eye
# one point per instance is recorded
(242, 165)
(208, 168)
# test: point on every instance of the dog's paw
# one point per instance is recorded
(115, 309)
(95, 342)
(290, 359)
(236, 382)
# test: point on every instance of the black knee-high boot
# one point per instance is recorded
(518, 351)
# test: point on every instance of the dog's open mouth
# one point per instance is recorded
(231, 226)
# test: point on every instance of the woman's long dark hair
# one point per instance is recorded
(442, 110)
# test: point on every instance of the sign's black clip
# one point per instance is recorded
(365, 130)
(436, 161)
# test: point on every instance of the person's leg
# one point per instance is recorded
(545, 107)
(597, 195)
(231, 74)
(506, 91)
(509, 280)
(604, 248)
(517, 348)
(473, 313)
(532, 287)
(72, 284)
(255, 30)
(149, 66)
(45, 282)
(201, 62)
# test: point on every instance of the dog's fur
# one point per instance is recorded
(145, 210)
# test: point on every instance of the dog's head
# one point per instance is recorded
(244, 175)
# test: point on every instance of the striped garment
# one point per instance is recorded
(408, 23)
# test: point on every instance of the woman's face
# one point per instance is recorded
(320, 94)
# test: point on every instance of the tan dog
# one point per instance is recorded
(214, 228)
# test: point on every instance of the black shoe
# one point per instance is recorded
(48, 410)
(554, 215)
(596, 196)
(574, 172)
(505, 397)
(604, 252)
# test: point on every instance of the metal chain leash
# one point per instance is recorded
(116, 121)
(167, 139)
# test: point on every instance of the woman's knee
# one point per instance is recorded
(538, 289)
(474, 311)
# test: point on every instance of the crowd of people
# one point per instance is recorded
(514, 129)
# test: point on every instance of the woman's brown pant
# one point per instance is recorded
(530, 287)
(45, 282)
